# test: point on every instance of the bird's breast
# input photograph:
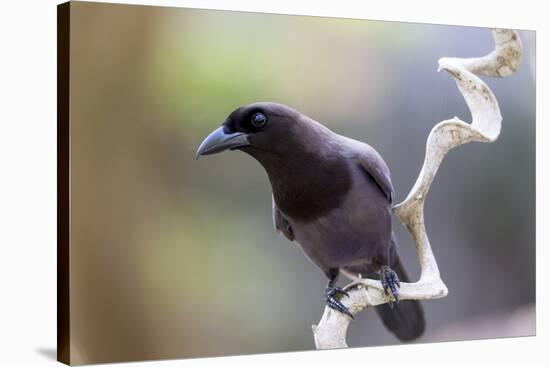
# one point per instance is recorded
(310, 189)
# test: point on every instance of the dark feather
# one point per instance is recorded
(281, 224)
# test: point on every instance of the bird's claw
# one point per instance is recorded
(338, 290)
(390, 283)
(333, 302)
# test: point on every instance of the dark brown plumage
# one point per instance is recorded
(332, 195)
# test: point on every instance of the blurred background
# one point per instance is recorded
(173, 257)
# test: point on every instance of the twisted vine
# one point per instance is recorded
(446, 135)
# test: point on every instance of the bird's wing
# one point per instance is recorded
(373, 164)
(280, 223)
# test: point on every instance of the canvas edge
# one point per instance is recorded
(63, 183)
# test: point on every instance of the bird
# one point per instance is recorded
(332, 196)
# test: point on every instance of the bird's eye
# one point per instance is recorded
(259, 120)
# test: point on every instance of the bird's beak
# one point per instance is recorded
(218, 141)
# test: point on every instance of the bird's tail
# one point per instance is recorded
(406, 318)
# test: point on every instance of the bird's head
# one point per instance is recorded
(258, 128)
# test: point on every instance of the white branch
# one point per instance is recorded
(485, 127)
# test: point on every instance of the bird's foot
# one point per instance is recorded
(332, 295)
(390, 283)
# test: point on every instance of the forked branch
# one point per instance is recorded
(446, 135)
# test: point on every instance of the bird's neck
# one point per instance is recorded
(305, 184)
